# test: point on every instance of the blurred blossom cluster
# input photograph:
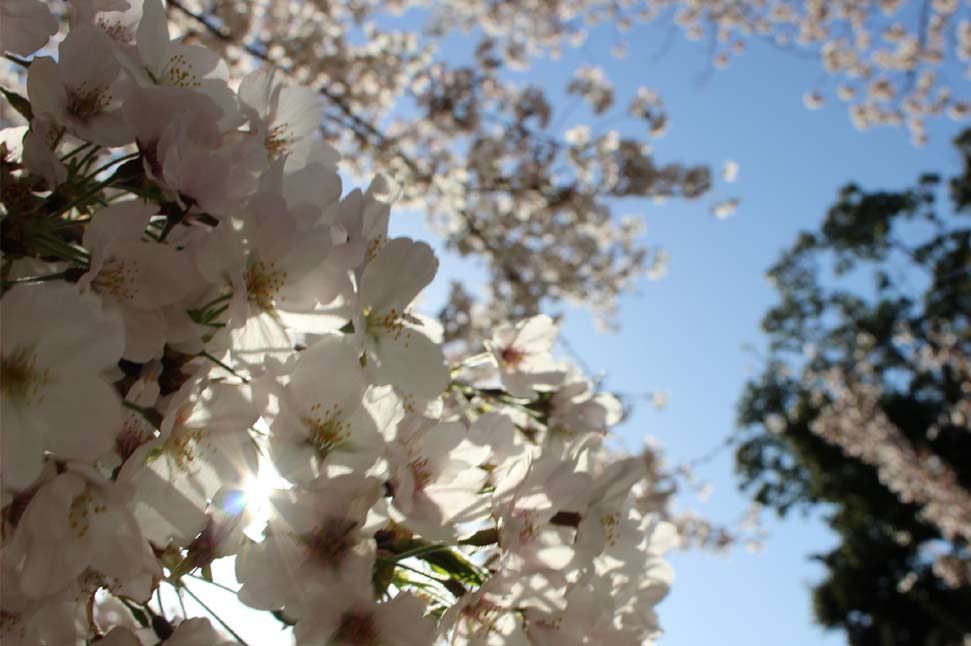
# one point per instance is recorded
(497, 167)
(191, 299)
(853, 418)
(489, 159)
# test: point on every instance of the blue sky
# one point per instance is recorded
(687, 332)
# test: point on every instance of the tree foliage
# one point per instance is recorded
(863, 408)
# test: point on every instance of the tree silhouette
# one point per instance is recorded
(864, 408)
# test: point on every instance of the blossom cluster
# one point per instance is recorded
(533, 188)
(889, 59)
(853, 418)
(482, 154)
(190, 301)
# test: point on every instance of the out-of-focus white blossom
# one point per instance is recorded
(56, 343)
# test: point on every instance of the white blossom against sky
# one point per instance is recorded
(685, 332)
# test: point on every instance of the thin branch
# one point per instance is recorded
(222, 365)
(33, 279)
(178, 593)
(214, 615)
(218, 585)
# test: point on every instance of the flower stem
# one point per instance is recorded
(111, 163)
(33, 279)
(97, 188)
(222, 365)
(75, 151)
(218, 585)
(214, 615)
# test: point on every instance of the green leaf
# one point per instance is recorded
(19, 103)
(454, 565)
(137, 613)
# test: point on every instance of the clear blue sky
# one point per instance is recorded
(685, 333)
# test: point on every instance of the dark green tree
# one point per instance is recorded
(881, 297)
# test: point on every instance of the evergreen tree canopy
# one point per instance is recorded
(864, 407)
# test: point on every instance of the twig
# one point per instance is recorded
(214, 615)
(222, 365)
(218, 585)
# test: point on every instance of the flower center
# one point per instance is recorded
(84, 102)
(116, 31)
(391, 323)
(83, 507)
(178, 73)
(421, 472)
(512, 356)
(116, 279)
(134, 433)
(19, 378)
(524, 521)
(327, 430)
(482, 615)
(374, 246)
(278, 140)
(330, 543)
(182, 446)
(357, 629)
(611, 525)
(262, 284)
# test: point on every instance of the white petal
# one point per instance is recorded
(401, 269)
(536, 335)
(163, 512)
(81, 417)
(328, 371)
(86, 59)
(144, 335)
(413, 364)
(22, 446)
(120, 221)
(153, 35)
(44, 89)
(299, 111)
(255, 90)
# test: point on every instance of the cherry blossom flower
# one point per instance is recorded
(118, 19)
(279, 279)
(203, 446)
(353, 618)
(283, 116)
(161, 61)
(322, 422)
(191, 632)
(523, 354)
(398, 352)
(316, 539)
(434, 479)
(77, 521)
(528, 494)
(55, 344)
(135, 276)
(83, 89)
(485, 617)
